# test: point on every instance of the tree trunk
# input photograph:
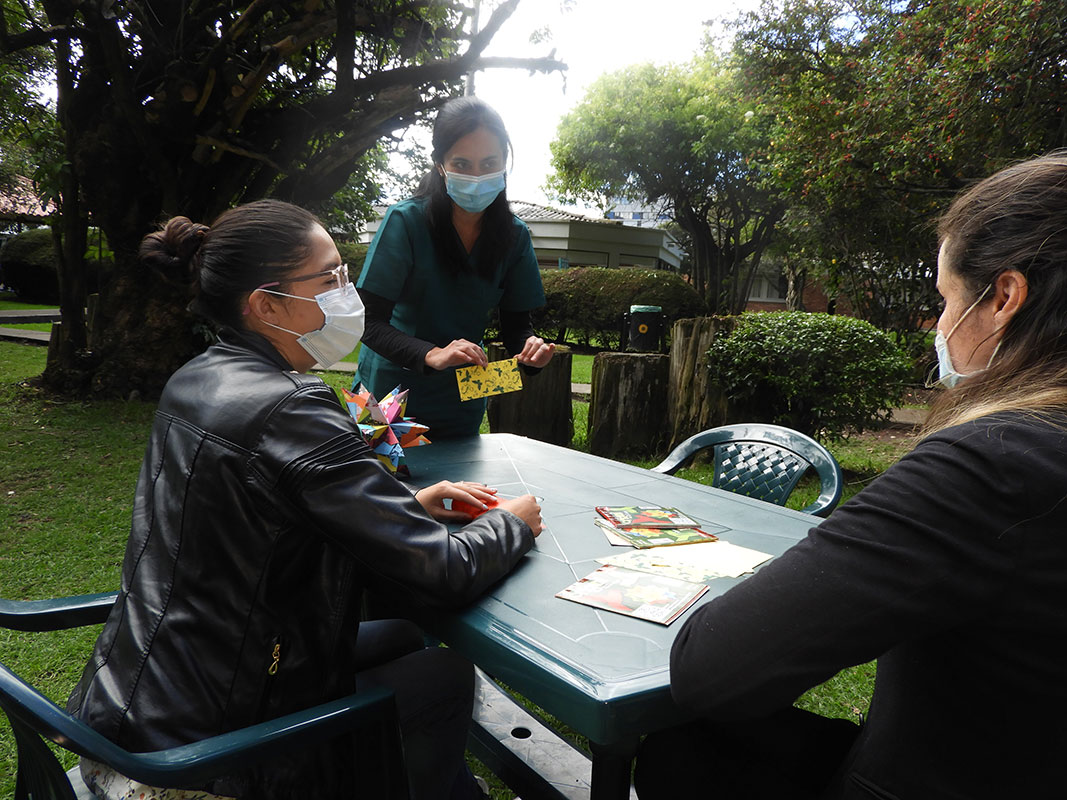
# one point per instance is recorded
(542, 410)
(628, 409)
(694, 403)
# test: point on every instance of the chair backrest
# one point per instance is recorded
(763, 461)
(33, 717)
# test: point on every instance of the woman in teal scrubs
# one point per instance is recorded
(439, 264)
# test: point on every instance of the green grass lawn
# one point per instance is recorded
(581, 368)
(31, 326)
(67, 476)
(9, 303)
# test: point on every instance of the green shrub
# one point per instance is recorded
(30, 266)
(352, 253)
(584, 304)
(817, 373)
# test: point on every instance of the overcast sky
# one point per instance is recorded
(593, 37)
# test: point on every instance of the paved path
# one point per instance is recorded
(24, 316)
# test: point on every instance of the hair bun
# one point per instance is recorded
(172, 251)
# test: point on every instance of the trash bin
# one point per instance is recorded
(645, 326)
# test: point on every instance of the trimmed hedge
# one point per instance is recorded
(587, 303)
(30, 266)
(818, 373)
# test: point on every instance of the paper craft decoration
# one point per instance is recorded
(645, 517)
(637, 594)
(384, 426)
(497, 377)
(691, 563)
(659, 537)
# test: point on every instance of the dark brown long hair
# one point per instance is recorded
(455, 120)
(244, 248)
(1013, 220)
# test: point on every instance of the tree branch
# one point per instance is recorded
(220, 144)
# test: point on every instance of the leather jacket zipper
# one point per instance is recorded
(270, 677)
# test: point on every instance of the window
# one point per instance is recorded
(768, 288)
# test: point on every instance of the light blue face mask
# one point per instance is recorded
(947, 375)
(474, 194)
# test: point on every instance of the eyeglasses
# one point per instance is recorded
(339, 273)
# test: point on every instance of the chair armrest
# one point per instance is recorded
(196, 763)
(192, 765)
(56, 614)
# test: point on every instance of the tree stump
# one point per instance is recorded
(542, 410)
(628, 408)
(695, 404)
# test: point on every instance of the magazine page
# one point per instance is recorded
(656, 598)
(692, 563)
(658, 537)
(646, 517)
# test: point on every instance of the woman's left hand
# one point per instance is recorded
(535, 353)
(432, 498)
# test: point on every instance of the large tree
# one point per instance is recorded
(881, 110)
(679, 137)
(189, 106)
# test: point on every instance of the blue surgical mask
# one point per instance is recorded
(472, 193)
(947, 375)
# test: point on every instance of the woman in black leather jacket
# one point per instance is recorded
(260, 517)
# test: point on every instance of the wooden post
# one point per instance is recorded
(695, 404)
(628, 408)
(542, 410)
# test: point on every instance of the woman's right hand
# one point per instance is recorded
(527, 509)
(457, 353)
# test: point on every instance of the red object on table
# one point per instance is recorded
(473, 510)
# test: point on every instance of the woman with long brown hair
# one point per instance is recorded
(950, 569)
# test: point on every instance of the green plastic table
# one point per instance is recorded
(605, 675)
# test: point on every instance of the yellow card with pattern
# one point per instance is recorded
(497, 377)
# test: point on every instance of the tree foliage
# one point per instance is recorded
(27, 121)
(679, 136)
(188, 107)
(881, 110)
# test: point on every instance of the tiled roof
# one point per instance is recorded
(533, 212)
(20, 200)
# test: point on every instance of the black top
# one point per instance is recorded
(951, 570)
(410, 352)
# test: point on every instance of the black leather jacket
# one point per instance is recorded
(259, 518)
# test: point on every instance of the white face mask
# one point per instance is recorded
(947, 375)
(342, 330)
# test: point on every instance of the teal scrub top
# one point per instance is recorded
(436, 306)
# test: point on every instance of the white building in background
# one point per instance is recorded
(630, 212)
(563, 239)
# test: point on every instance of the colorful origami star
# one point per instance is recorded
(384, 426)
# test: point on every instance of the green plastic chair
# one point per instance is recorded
(34, 717)
(764, 462)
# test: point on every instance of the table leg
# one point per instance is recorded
(611, 770)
